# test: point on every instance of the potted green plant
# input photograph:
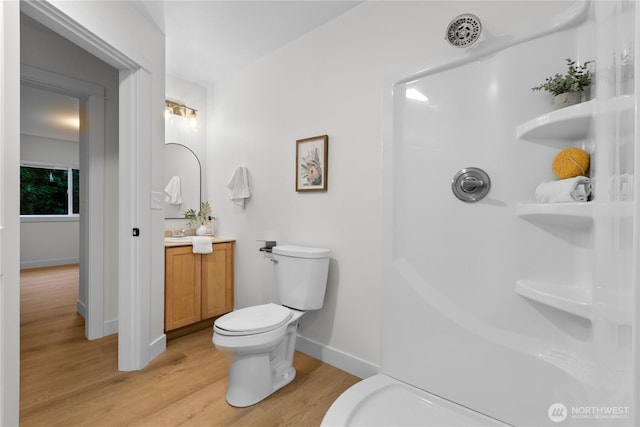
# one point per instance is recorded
(199, 219)
(570, 88)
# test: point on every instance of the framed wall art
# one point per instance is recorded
(312, 155)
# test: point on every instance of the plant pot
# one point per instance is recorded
(201, 230)
(566, 99)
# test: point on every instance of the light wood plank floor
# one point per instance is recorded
(69, 381)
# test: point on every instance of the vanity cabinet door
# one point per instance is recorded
(183, 283)
(217, 281)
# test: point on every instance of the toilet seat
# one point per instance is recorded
(253, 320)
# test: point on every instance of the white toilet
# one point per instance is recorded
(261, 339)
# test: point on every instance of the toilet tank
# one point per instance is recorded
(301, 276)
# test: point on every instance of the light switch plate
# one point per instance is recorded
(157, 199)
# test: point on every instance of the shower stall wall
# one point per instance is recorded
(519, 310)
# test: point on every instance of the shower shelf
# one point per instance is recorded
(570, 299)
(578, 214)
(567, 124)
(571, 123)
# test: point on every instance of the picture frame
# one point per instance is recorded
(312, 156)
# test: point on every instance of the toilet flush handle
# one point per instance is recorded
(268, 245)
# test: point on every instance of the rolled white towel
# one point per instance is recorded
(202, 244)
(577, 189)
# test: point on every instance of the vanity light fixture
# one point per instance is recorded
(193, 121)
(175, 108)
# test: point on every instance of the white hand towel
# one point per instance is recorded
(576, 189)
(202, 244)
(172, 192)
(239, 186)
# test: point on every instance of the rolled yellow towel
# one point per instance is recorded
(571, 162)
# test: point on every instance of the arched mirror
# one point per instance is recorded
(182, 180)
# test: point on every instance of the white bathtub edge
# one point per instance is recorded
(339, 412)
(357, 398)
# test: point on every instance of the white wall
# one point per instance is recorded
(45, 243)
(49, 150)
(177, 130)
(328, 82)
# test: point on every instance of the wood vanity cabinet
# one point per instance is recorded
(197, 286)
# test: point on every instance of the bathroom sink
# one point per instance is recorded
(177, 240)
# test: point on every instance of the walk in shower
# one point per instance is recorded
(513, 308)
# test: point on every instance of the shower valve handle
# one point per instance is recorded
(470, 184)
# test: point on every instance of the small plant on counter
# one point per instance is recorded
(577, 79)
(196, 218)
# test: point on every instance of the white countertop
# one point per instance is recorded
(186, 241)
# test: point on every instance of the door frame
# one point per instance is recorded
(133, 182)
(9, 213)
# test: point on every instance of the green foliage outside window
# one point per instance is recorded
(45, 191)
(76, 190)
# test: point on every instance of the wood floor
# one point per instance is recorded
(69, 381)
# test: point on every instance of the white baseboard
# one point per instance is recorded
(81, 308)
(159, 345)
(348, 363)
(110, 327)
(48, 263)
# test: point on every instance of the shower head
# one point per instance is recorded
(464, 30)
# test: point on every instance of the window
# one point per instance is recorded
(49, 191)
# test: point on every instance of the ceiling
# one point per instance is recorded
(208, 40)
(48, 114)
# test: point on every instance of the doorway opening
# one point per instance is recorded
(55, 80)
(127, 178)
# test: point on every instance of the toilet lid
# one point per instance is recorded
(254, 320)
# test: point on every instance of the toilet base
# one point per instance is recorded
(252, 380)
(256, 374)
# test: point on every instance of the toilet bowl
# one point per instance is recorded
(261, 339)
